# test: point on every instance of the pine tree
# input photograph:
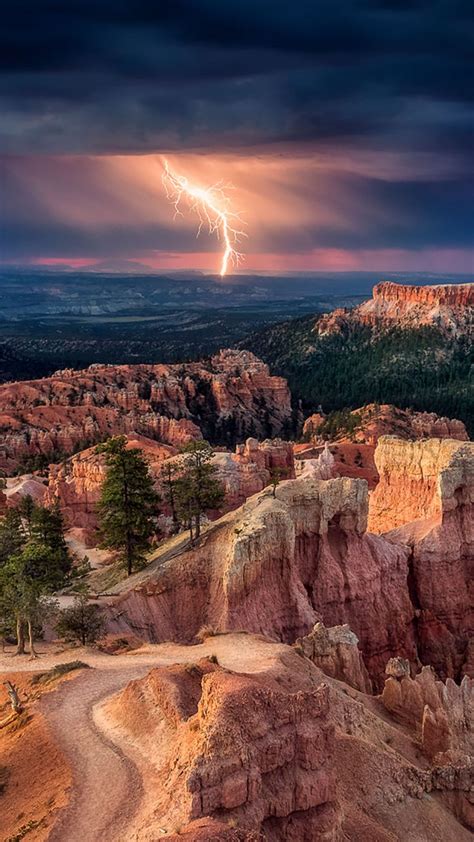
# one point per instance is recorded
(47, 530)
(12, 536)
(197, 489)
(128, 503)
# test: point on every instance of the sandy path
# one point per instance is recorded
(106, 787)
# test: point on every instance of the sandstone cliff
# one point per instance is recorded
(225, 399)
(449, 307)
(425, 500)
(275, 566)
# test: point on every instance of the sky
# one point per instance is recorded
(343, 131)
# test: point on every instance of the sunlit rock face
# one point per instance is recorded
(425, 500)
(276, 566)
(235, 751)
(449, 307)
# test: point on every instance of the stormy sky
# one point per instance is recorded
(346, 130)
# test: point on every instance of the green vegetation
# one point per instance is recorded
(34, 562)
(82, 622)
(58, 671)
(128, 504)
(196, 489)
(419, 369)
(337, 422)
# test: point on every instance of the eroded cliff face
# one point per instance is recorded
(449, 307)
(228, 398)
(425, 500)
(246, 743)
(413, 484)
(278, 565)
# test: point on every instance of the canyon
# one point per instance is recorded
(301, 672)
(280, 562)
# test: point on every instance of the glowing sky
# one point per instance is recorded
(346, 129)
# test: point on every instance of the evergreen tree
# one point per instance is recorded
(26, 509)
(12, 536)
(25, 585)
(47, 531)
(197, 489)
(128, 503)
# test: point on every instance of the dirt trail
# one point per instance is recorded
(106, 788)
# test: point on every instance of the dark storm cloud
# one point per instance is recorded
(250, 77)
(97, 76)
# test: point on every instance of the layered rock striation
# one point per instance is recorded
(448, 307)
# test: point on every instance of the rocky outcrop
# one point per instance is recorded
(276, 566)
(346, 460)
(426, 491)
(441, 712)
(27, 485)
(251, 468)
(335, 652)
(240, 750)
(442, 718)
(414, 480)
(251, 729)
(448, 307)
(375, 420)
(226, 399)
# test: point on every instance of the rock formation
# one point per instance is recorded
(246, 743)
(425, 500)
(376, 420)
(239, 749)
(413, 480)
(228, 398)
(335, 652)
(442, 717)
(448, 307)
(276, 566)
(76, 482)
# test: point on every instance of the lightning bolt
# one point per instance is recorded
(212, 208)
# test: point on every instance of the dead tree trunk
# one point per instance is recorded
(14, 697)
